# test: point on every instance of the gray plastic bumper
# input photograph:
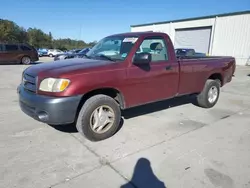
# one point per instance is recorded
(50, 110)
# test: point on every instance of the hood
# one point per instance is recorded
(60, 67)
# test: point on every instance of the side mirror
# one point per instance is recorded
(142, 58)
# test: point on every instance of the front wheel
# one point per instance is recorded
(99, 118)
(26, 60)
(209, 95)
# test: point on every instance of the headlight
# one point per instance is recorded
(54, 84)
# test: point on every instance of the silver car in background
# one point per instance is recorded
(71, 55)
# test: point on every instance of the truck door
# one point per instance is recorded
(157, 81)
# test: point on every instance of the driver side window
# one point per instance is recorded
(156, 47)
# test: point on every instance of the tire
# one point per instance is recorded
(25, 60)
(203, 99)
(50, 55)
(84, 122)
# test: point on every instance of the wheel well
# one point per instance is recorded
(115, 94)
(217, 76)
(25, 56)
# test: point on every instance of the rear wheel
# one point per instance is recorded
(209, 95)
(26, 60)
(99, 118)
(50, 55)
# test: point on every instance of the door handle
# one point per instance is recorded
(168, 67)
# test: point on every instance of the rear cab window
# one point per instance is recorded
(184, 52)
(156, 46)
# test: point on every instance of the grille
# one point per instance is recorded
(29, 82)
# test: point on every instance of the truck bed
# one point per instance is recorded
(201, 57)
(194, 69)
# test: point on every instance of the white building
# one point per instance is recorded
(223, 34)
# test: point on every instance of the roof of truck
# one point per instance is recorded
(139, 34)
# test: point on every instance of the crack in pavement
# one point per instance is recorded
(128, 181)
(101, 161)
(108, 163)
(177, 136)
(234, 93)
(159, 143)
(74, 177)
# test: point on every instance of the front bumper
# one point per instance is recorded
(50, 110)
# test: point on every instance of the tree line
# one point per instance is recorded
(10, 32)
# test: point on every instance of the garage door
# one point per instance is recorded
(196, 38)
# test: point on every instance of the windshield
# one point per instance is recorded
(114, 48)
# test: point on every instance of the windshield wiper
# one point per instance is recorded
(105, 57)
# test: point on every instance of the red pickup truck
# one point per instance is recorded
(119, 72)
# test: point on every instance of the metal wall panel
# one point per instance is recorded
(170, 28)
(232, 37)
(165, 28)
(143, 28)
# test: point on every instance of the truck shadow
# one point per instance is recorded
(143, 176)
(67, 128)
(71, 128)
(16, 64)
(158, 106)
(137, 111)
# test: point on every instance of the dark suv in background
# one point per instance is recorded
(17, 53)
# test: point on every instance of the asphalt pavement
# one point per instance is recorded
(168, 144)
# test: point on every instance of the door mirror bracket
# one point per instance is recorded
(143, 58)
